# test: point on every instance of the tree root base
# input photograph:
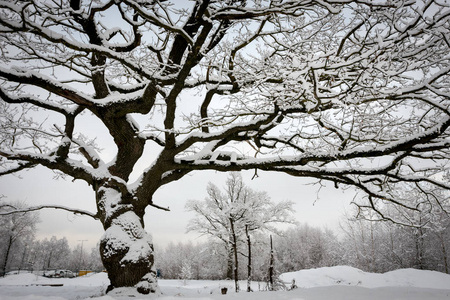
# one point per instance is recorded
(132, 291)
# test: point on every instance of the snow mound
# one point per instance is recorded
(349, 276)
(20, 279)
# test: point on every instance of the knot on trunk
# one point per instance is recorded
(111, 203)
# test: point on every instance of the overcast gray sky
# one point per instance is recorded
(39, 186)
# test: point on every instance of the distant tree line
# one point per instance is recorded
(300, 247)
(382, 246)
(20, 250)
(370, 246)
(49, 254)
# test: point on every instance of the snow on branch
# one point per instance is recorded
(32, 100)
(18, 168)
(39, 207)
(67, 166)
(29, 77)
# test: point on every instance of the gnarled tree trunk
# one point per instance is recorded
(126, 249)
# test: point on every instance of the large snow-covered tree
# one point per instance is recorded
(352, 92)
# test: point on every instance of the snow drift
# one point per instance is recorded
(349, 276)
(341, 282)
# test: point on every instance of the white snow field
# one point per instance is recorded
(335, 283)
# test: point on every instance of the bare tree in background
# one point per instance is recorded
(233, 215)
(384, 246)
(52, 253)
(14, 228)
(351, 92)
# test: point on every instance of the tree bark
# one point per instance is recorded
(444, 251)
(49, 259)
(8, 248)
(271, 266)
(418, 236)
(236, 262)
(230, 263)
(249, 261)
(125, 248)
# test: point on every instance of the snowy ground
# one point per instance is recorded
(315, 284)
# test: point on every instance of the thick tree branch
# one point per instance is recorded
(23, 76)
(20, 167)
(39, 207)
(4, 95)
(73, 168)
